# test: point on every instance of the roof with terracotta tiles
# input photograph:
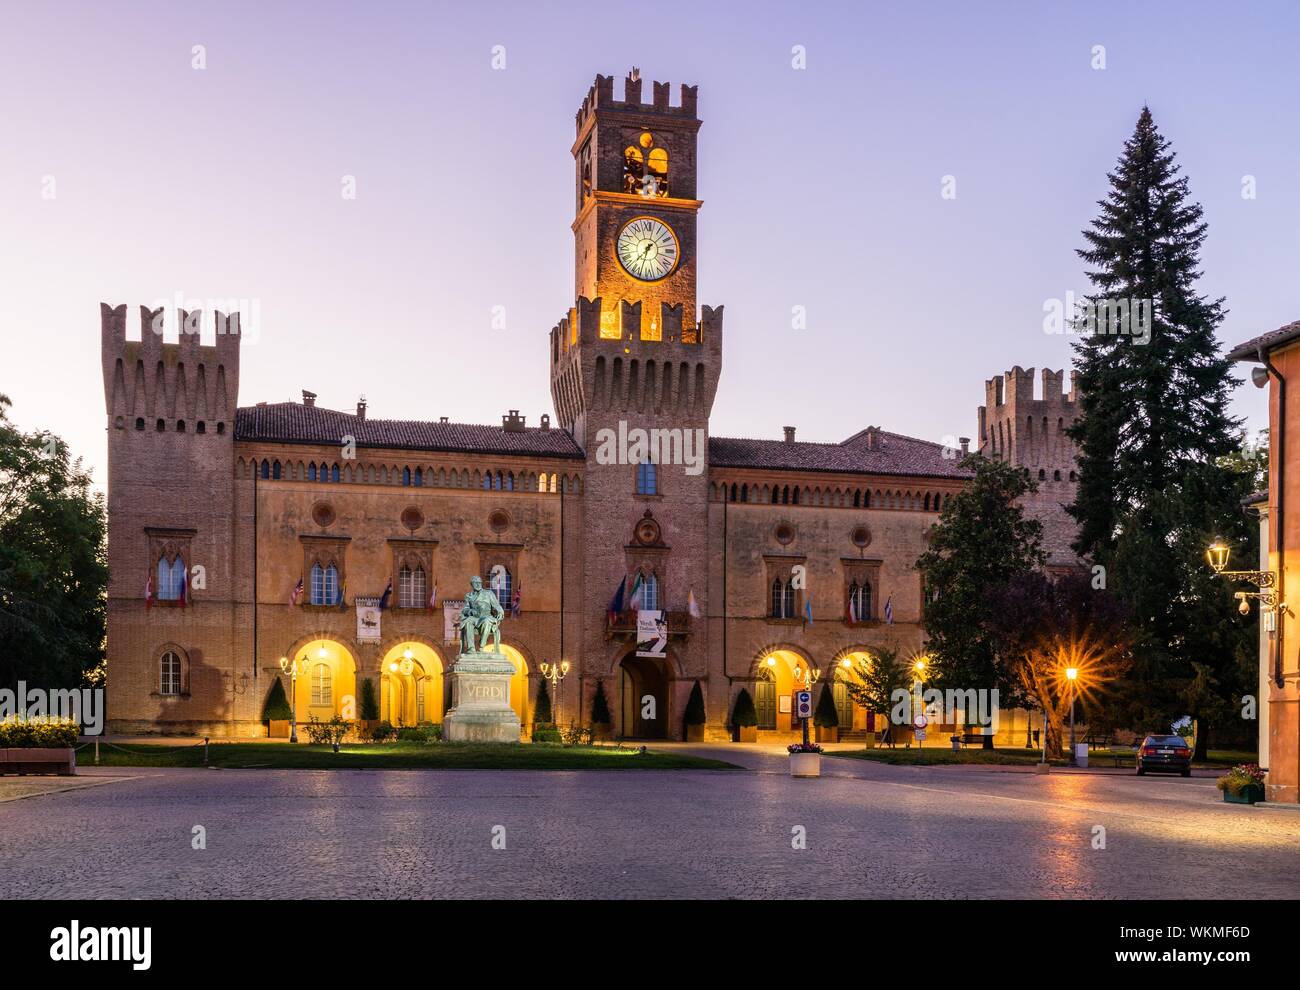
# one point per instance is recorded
(1271, 341)
(871, 451)
(292, 422)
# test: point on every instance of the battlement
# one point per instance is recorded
(590, 324)
(601, 96)
(180, 385)
(1016, 387)
(1027, 429)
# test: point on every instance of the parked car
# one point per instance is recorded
(1164, 754)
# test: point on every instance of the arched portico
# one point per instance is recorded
(327, 684)
(411, 684)
(778, 672)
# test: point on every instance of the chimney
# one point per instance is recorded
(361, 408)
(965, 445)
(789, 434)
(546, 421)
(871, 437)
(308, 398)
(442, 419)
(513, 422)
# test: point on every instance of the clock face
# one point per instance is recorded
(647, 248)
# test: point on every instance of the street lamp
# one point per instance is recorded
(555, 673)
(1217, 555)
(293, 668)
(1072, 675)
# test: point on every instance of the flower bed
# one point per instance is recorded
(1243, 784)
(38, 745)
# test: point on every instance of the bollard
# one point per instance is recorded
(205, 751)
(97, 751)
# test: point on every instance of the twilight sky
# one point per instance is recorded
(128, 176)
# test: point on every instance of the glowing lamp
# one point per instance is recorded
(1072, 673)
(1217, 555)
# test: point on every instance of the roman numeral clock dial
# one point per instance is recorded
(647, 248)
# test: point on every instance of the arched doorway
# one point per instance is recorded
(519, 684)
(411, 685)
(328, 685)
(643, 698)
(778, 674)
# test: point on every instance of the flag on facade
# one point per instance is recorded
(692, 605)
(852, 609)
(338, 599)
(807, 607)
(433, 597)
(148, 593)
(616, 603)
(638, 593)
(297, 593)
(388, 593)
(889, 610)
(516, 600)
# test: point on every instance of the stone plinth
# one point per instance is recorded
(480, 684)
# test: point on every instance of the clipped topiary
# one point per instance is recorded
(276, 707)
(542, 710)
(369, 703)
(599, 706)
(826, 717)
(695, 707)
(744, 715)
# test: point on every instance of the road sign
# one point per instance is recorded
(920, 722)
(920, 735)
(803, 704)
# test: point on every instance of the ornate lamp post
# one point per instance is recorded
(555, 673)
(293, 668)
(1072, 675)
(1218, 553)
(805, 679)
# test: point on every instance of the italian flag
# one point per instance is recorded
(638, 593)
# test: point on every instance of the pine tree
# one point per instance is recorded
(276, 707)
(600, 706)
(369, 709)
(695, 707)
(1157, 482)
(744, 714)
(542, 710)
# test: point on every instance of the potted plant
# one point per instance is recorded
(826, 720)
(744, 718)
(694, 718)
(276, 712)
(600, 720)
(38, 745)
(805, 759)
(1243, 784)
(368, 709)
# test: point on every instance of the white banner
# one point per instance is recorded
(369, 616)
(451, 619)
(651, 634)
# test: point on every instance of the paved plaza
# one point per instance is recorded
(871, 830)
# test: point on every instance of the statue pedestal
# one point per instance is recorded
(480, 684)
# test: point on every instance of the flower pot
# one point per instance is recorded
(805, 764)
(747, 733)
(695, 733)
(277, 728)
(1249, 795)
(827, 734)
(62, 761)
(600, 731)
(872, 739)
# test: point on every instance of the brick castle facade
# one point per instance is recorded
(239, 536)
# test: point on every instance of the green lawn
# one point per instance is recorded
(397, 756)
(1018, 757)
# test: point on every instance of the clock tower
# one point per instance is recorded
(634, 370)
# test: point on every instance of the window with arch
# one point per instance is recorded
(633, 168)
(411, 587)
(322, 685)
(311, 471)
(860, 601)
(265, 470)
(649, 592)
(324, 585)
(500, 582)
(275, 471)
(334, 473)
(171, 579)
(646, 480)
(169, 674)
(782, 603)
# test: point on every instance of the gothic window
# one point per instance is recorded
(406, 476)
(266, 470)
(646, 481)
(322, 685)
(324, 585)
(419, 477)
(744, 493)
(169, 674)
(171, 579)
(275, 471)
(860, 601)
(782, 598)
(311, 471)
(410, 587)
(650, 592)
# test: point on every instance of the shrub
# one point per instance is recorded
(544, 732)
(423, 733)
(577, 735)
(329, 733)
(542, 710)
(1240, 777)
(599, 706)
(276, 706)
(744, 714)
(826, 717)
(18, 732)
(369, 703)
(384, 730)
(695, 707)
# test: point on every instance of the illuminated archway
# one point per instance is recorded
(328, 685)
(779, 671)
(519, 684)
(411, 684)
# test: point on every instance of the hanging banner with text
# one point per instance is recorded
(651, 633)
(368, 619)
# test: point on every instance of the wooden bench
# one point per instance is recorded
(1118, 753)
(972, 739)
